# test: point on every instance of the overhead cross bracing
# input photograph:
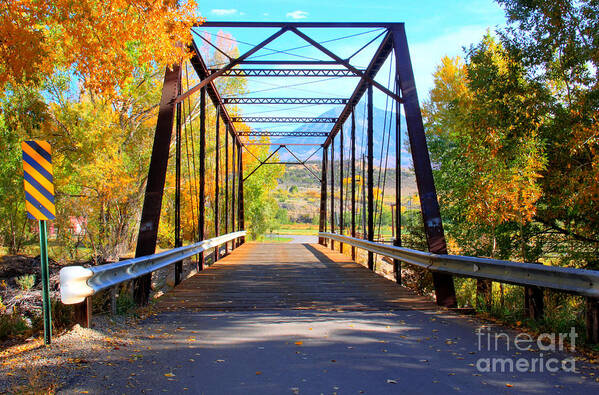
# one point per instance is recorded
(284, 119)
(287, 73)
(282, 134)
(283, 100)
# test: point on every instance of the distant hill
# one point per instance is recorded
(299, 176)
(304, 204)
(380, 119)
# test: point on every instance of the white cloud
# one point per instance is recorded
(222, 11)
(297, 14)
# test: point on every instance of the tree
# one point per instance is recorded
(104, 43)
(23, 115)
(101, 150)
(260, 207)
(559, 44)
(483, 120)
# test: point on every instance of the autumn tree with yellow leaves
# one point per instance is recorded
(105, 43)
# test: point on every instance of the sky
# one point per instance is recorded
(434, 29)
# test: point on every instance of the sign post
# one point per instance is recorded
(39, 201)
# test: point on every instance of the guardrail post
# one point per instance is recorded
(533, 302)
(484, 293)
(322, 227)
(431, 215)
(150, 214)
(82, 313)
(592, 319)
(370, 154)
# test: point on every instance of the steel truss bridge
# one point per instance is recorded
(320, 276)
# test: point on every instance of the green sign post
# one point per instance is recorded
(45, 281)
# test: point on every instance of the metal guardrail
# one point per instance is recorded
(576, 281)
(78, 282)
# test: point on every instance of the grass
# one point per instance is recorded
(275, 239)
(303, 232)
(298, 229)
(312, 230)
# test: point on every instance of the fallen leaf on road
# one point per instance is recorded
(299, 343)
(389, 381)
(169, 375)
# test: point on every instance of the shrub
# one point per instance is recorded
(26, 282)
(62, 315)
(12, 325)
(125, 303)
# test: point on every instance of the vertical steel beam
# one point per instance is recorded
(150, 214)
(226, 185)
(202, 197)
(322, 227)
(431, 215)
(332, 191)
(233, 194)
(364, 233)
(341, 188)
(178, 265)
(370, 150)
(397, 223)
(217, 182)
(353, 181)
(240, 203)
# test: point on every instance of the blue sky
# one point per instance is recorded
(434, 28)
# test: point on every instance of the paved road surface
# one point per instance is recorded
(304, 320)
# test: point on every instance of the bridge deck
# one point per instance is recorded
(267, 320)
(290, 276)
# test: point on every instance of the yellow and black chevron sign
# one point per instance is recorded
(39, 187)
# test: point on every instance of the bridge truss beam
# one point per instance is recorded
(284, 119)
(286, 73)
(283, 134)
(394, 40)
(284, 100)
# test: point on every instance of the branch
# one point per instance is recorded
(553, 225)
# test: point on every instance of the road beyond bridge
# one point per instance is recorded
(302, 319)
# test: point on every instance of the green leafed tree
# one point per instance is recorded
(483, 121)
(559, 44)
(23, 116)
